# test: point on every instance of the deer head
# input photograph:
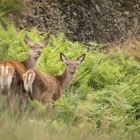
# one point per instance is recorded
(35, 48)
(72, 64)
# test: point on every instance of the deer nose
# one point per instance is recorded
(39, 52)
(74, 67)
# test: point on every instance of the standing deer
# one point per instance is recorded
(35, 50)
(47, 88)
(11, 71)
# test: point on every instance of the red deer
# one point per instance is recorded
(11, 71)
(47, 88)
(35, 50)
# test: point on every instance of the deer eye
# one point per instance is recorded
(31, 47)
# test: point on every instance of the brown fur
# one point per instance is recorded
(47, 88)
(19, 67)
(18, 70)
(14, 70)
(35, 50)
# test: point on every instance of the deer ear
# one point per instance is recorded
(27, 40)
(81, 58)
(45, 41)
(63, 57)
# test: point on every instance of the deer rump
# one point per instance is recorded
(41, 86)
(10, 73)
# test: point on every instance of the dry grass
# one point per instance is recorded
(129, 47)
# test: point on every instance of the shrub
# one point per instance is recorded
(103, 99)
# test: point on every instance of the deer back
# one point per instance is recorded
(45, 87)
(10, 75)
(17, 66)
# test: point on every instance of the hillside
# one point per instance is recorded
(103, 100)
(102, 21)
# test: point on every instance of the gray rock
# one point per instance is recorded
(88, 20)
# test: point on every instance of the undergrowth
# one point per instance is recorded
(103, 101)
(10, 8)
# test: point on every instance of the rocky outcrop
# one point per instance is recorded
(85, 20)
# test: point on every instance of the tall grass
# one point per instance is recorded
(103, 101)
(76, 1)
(129, 47)
(10, 8)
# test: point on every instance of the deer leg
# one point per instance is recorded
(10, 98)
(0, 90)
(50, 107)
(23, 97)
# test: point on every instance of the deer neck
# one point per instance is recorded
(30, 62)
(65, 79)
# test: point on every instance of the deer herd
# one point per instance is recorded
(23, 80)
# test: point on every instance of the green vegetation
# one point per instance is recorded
(103, 101)
(9, 7)
(70, 0)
